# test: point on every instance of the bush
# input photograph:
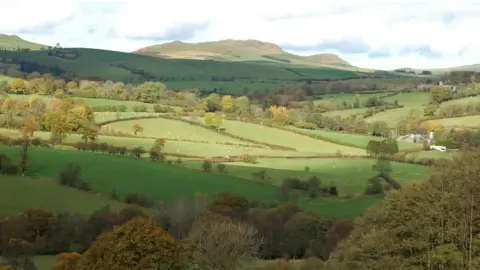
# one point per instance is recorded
(140, 108)
(305, 125)
(221, 167)
(162, 109)
(139, 199)
(207, 165)
(71, 176)
(249, 159)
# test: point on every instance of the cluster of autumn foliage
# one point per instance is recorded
(224, 234)
(430, 224)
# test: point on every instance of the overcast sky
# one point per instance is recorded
(372, 33)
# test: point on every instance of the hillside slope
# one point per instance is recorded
(239, 50)
(176, 73)
(14, 42)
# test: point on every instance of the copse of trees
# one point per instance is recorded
(434, 221)
(224, 234)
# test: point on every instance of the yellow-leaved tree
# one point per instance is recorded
(137, 128)
(278, 115)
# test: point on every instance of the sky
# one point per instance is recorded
(379, 34)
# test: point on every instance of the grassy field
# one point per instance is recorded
(433, 154)
(410, 99)
(48, 195)
(127, 174)
(105, 64)
(349, 98)
(358, 140)
(302, 143)
(101, 117)
(210, 149)
(345, 113)
(467, 121)
(174, 129)
(349, 174)
(392, 117)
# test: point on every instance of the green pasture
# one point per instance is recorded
(346, 208)
(346, 113)
(410, 99)
(21, 193)
(349, 98)
(462, 102)
(127, 174)
(302, 143)
(350, 175)
(108, 116)
(172, 129)
(355, 139)
(467, 121)
(433, 154)
(392, 117)
(210, 149)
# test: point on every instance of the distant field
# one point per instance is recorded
(392, 117)
(358, 140)
(104, 64)
(345, 113)
(463, 101)
(210, 149)
(349, 98)
(302, 143)
(21, 193)
(410, 99)
(345, 208)
(467, 121)
(350, 175)
(434, 154)
(107, 116)
(174, 129)
(126, 174)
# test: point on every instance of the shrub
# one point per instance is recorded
(179, 161)
(221, 167)
(249, 159)
(36, 141)
(140, 108)
(71, 176)
(207, 165)
(139, 199)
(305, 125)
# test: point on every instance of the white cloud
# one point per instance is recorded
(388, 26)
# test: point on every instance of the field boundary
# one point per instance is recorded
(271, 146)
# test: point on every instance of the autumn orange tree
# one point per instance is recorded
(66, 261)
(137, 244)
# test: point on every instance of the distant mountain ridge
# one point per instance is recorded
(239, 50)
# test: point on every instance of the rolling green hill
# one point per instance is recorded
(14, 42)
(241, 50)
(176, 73)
